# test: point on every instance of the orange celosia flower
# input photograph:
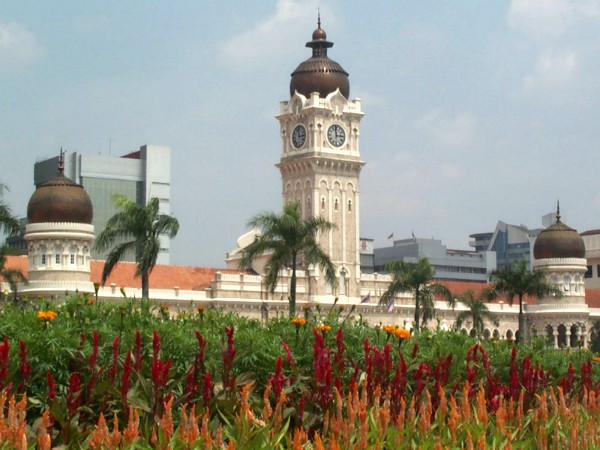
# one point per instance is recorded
(298, 321)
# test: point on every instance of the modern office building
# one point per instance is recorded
(511, 243)
(591, 239)
(140, 175)
(458, 265)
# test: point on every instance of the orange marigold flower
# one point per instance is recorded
(298, 321)
(200, 308)
(390, 329)
(323, 327)
(47, 315)
(91, 301)
(402, 333)
(596, 359)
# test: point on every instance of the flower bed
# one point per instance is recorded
(211, 379)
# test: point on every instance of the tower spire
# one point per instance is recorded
(558, 210)
(61, 162)
(318, 17)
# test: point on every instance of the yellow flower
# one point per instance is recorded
(298, 321)
(323, 327)
(402, 333)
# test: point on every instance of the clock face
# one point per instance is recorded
(336, 135)
(299, 136)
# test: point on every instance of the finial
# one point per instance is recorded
(558, 210)
(318, 17)
(61, 162)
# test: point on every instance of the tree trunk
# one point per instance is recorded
(417, 311)
(293, 288)
(145, 285)
(521, 322)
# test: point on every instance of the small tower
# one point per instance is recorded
(320, 161)
(560, 252)
(59, 235)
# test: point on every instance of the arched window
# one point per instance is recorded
(323, 203)
(335, 204)
(349, 205)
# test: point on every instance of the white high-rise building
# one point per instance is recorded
(140, 175)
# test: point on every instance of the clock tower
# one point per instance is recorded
(320, 162)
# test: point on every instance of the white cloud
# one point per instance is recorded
(270, 36)
(18, 47)
(550, 18)
(552, 69)
(447, 131)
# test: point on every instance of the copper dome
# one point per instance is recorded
(319, 73)
(558, 241)
(60, 200)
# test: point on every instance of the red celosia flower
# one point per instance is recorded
(278, 379)
(228, 359)
(73, 393)
(4, 357)
(51, 386)
(207, 386)
(126, 379)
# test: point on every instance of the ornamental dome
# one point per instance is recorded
(60, 200)
(319, 73)
(558, 241)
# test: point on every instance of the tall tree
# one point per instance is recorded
(477, 311)
(516, 281)
(417, 279)
(289, 240)
(8, 223)
(136, 228)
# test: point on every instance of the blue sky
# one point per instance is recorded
(475, 111)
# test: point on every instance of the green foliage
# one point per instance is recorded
(63, 346)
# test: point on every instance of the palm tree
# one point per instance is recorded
(416, 278)
(135, 228)
(517, 281)
(290, 240)
(477, 311)
(8, 222)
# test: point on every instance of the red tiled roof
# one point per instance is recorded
(162, 277)
(592, 298)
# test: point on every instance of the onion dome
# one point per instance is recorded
(558, 241)
(60, 200)
(319, 73)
